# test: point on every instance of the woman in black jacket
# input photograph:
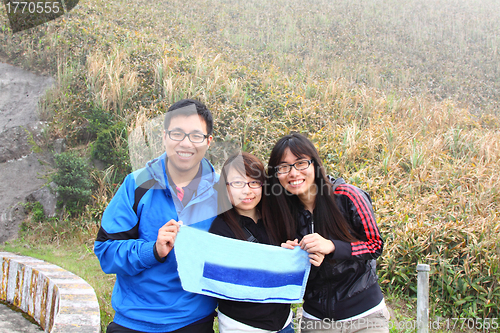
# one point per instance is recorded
(242, 177)
(334, 219)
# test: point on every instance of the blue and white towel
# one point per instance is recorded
(238, 270)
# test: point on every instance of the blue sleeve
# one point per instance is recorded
(118, 247)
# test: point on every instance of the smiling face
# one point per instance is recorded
(184, 157)
(245, 199)
(300, 183)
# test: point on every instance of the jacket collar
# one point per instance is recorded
(335, 182)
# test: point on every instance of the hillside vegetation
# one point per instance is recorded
(401, 99)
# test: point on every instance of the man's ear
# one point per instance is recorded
(164, 139)
(209, 140)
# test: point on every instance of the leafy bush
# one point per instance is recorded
(98, 120)
(36, 209)
(74, 184)
(464, 259)
(111, 147)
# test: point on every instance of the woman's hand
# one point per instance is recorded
(290, 244)
(315, 243)
(316, 258)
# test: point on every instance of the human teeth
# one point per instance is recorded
(185, 154)
(297, 182)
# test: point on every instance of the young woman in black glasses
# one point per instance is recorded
(336, 219)
(242, 178)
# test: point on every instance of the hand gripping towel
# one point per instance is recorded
(237, 270)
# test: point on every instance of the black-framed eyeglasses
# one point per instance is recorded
(299, 165)
(241, 184)
(195, 137)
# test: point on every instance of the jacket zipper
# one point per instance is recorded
(328, 310)
(328, 289)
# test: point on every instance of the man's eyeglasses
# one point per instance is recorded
(241, 184)
(299, 165)
(193, 137)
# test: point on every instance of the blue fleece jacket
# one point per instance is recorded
(148, 295)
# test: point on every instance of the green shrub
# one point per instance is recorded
(73, 180)
(36, 209)
(464, 277)
(98, 120)
(111, 148)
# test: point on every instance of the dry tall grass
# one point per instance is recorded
(110, 80)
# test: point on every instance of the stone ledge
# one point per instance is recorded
(58, 300)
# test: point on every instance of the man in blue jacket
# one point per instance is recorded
(141, 222)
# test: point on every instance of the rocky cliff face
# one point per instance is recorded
(22, 171)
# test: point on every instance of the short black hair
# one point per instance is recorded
(189, 106)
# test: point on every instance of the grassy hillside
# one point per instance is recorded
(447, 48)
(402, 105)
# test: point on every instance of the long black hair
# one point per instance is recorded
(328, 219)
(246, 164)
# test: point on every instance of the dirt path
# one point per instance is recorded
(21, 170)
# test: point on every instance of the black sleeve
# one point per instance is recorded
(220, 227)
(314, 271)
(357, 208)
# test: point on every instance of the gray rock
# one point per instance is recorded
(13, 144)
(10, 220)
(20, 91)
(98, 164)
(19, 141)
(21, 170)
(47, 196)
(59, 145)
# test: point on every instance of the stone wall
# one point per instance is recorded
(58, 300)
